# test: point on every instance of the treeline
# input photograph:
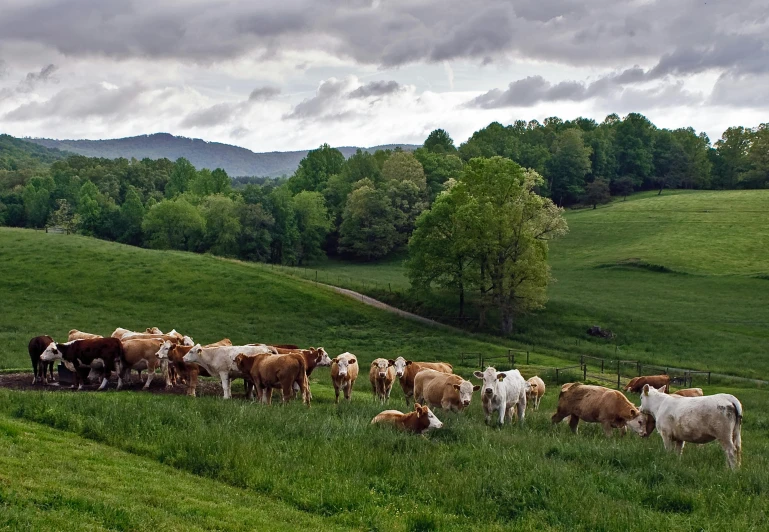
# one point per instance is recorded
(362, 207)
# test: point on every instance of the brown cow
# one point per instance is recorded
(444, 390)
(140, 355)
(74, 334)
(84, 352)
(344, 371)
(382, 376)
(636, 384)
(535, 389)
(420, 420)
(268, 371)
(40, 369)
(689, 392)
(406, 370)
(596, 404)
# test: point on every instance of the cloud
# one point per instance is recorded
(3, 69)
(376, 88)
(215, 115)
(261, 94)
(530, 91)
(326, 103)
(33, 79)
(745, 91)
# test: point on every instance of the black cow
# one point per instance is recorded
(40, 369)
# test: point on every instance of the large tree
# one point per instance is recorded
(182, 174)
(439, 141)
(368, 223)
(568, 166)
(313, 223)
(315, 169)
(174, 224)
(222, 222)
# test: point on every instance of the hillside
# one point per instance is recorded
(19, 153)
(235, 160)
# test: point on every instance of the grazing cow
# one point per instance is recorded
(406, 370)
(535, 389)
(689, 392)
(344, 371)
(268, 371)
(153, 330)
(74, 334)
(119, 332)
(420, 420)
(596, 404)
(171, 355)
(382, 377)
(84, 352)
(696, 420)
(636, 384)
(140, 355)
(221, 361)
(503, 391)
(40, 370)
(444, 390)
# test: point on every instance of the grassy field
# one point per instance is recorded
(680, 278)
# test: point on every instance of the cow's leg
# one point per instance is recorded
(521, 411)
(225, 377)
(573, 423)
(336, 393)
(35, 366)
(731, 452)
(537, 399)
(288, 391)
(679, 447)
(667, 441)
(606, 428)
(192, 383)
(150, 375)
(502, 414)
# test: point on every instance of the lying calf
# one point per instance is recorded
(420, 420)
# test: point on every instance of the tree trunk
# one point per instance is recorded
(594, 206)
(662, 185)
(461, 300)
(507, 323)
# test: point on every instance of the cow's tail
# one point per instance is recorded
(737, 429)
(120, 363)
(304, 382)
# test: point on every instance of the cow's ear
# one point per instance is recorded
(663, 389)
(501, 377)
(646, 389)
(476, 388)
(455, 385)
(352, 361)
(477, 374)
(335, 360)
(391, 362)
(634, 413)
(417, 407)
(408, 362)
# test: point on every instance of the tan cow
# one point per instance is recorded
(344, 371)
(140, 355)
(406, 370)
(636, 384)
(419, 421)
(689, 392)
(74, 334)
(535, 389)
(153, 330)
(444, 390)
(172, 356)
(268, 371)
(596, 404)
(382, 376)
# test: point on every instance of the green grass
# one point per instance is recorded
(54, 480)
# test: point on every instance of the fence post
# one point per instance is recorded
(480, 361)
(618, 375)
(638, 366)
(602, 361)
(708, 377)
(390, 287)
(557, 382)
(582, 359)
(316, 276)
(527, 359)
(584, 372)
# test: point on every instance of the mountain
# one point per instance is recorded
(235, 160)
(17, 153)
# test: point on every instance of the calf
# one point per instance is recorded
(344, 371)
(696, 420)
(444, 390)
(84, 352)
(596, 404)
(382, 376)
(535, 389)
(636, 384)
(689, 392)
(221, 361)
(420, 420)
(40, 369)
(268, 371)
(503, 391)
(74, 334)
(406, 370)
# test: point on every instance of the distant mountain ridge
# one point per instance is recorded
(235, 160)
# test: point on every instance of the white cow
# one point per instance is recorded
(221, 361)
(502, 391)
(696, 420)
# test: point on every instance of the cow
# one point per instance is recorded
(406, 370)
(40, 369)
(153, 330)
(636, 384)
(74, 334)
(597, 404)
(696, 420)
(171, 356)
(140, 355)
(382, 376)
(221, 361)
(84, 352)
(535, 389)
(268, 371)
(419, 421)
(344, 371)
(503, 391)
(443, 390)
(689, 392)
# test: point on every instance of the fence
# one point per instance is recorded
(565, 373)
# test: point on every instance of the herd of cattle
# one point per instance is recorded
(684, 416)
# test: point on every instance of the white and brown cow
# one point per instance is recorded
(382, 376)
(220, 361)
(419, 421)
(443, 390)
(406, 370)
(535, 389)
(344, 371)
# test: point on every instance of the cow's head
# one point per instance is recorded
(432, 419)
(186, 340)
(154, 330)
(491, 379)
(651, 398)
(239, 360)
(343, 364)
(465, 390)
(642, 424)
(321, 357)
(164, 349)
(51, 353)
(381, 366)
(97, 371)
(400, 364)
(193, 355)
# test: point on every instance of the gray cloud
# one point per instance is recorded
(325, 102)
(78, 103)
(215, 115)
(33, 79)
(740, 91)
(532, 90)
(3, 69)
(377, 88)
(261, 94)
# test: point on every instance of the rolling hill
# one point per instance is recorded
(236, 161)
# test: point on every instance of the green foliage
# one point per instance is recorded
(315, 169)
(403, 166)
(568, 166)
(222, 223)
(597, 193)
(634, 145)
(256, 232)
(368, 223)
(438, 168)
(63, 217)
(285, 232)
(37, 201)
(174, 224)
(131, 217)
(313, 225)
(89, 210)
(182, 174)
(439, 141)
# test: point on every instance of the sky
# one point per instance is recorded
(277, 75)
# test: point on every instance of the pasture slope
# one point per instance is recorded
(682, 279)
(138, 461)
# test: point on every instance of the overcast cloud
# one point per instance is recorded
(288, 75)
